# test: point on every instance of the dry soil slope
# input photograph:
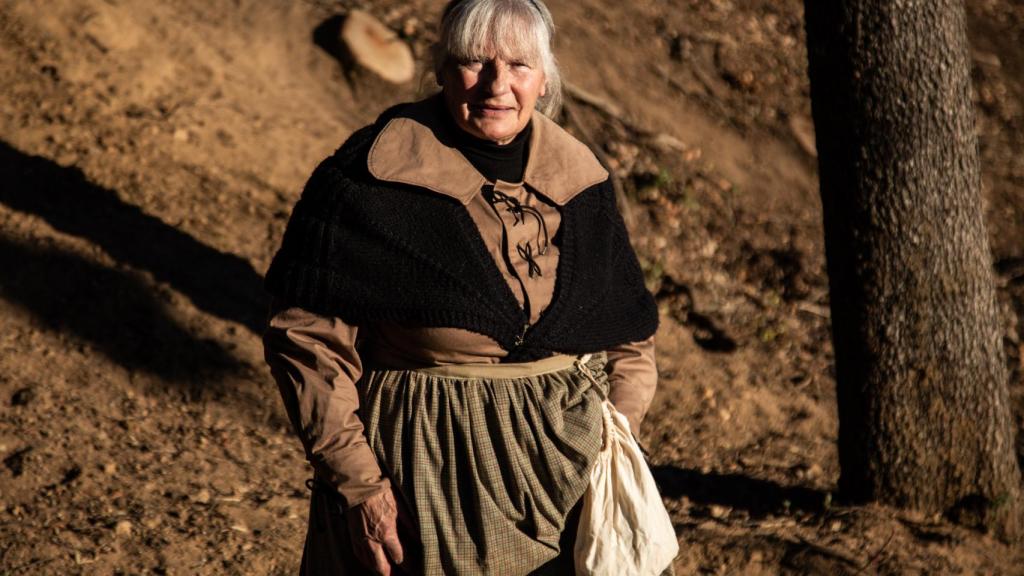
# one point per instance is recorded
(157, 149)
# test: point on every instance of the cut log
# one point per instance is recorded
(374, 47)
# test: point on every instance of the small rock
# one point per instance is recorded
(123, 528)
(988, 59)
(757, 556)
(71, 474)
(110, 468)
(181, 135)
(835, 526)
(814, 471)
(719, 511)
(725, 415)
(16, 462)
(23, 397)
(410, 27)
(240, 528)
(111, 30)
(202, 497)
(668, 143)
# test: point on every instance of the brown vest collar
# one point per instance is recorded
(413, 149)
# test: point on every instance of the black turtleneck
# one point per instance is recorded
(494, 161)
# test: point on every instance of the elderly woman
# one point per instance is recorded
(454, 298)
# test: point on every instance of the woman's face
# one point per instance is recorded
(492, 98)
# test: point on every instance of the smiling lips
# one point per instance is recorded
(490, 109)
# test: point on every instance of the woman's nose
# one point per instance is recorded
(497, 77)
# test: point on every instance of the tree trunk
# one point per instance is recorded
(924, 415)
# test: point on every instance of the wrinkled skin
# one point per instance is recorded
(492, 98)
(374, 527)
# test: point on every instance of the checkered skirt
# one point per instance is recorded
(489, 458)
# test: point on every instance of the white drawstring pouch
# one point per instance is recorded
(624, 528)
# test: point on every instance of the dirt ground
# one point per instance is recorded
(150, 154)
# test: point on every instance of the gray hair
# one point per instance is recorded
(514, 29)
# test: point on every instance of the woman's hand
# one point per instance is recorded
(373, 526)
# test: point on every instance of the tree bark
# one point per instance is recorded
(924, 414)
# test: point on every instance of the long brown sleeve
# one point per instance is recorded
(315, 363)
(633, 379)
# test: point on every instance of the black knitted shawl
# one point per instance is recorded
(367, 250)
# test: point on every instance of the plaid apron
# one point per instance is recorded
(490, 458)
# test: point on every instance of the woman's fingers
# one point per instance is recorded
(393, 546)
(372, 555)
(374, 531)
(380, 563)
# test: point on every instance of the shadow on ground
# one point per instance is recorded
(114, 309)
(739, 492)
(221, 284)
(111, 309)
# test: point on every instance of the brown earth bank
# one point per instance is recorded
(150, 154)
